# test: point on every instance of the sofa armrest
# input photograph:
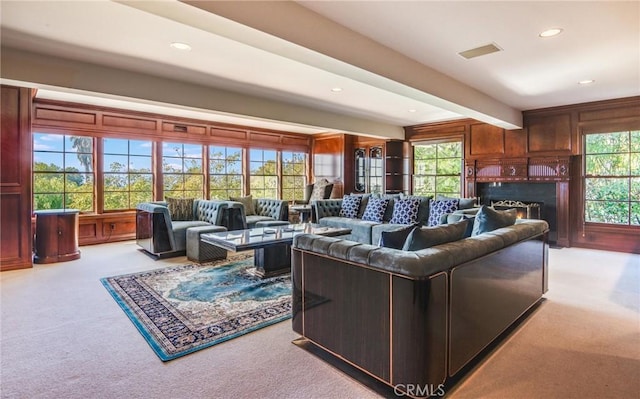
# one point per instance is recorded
(326, 208)
(157, 210)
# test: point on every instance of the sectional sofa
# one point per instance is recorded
(416, 318)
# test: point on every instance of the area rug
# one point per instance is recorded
(182, 309)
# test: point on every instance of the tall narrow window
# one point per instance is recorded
(375, 170)
(63, 172)
(294, 175)
(128, 179)
(612, 178)
(182, 170)
(263, 181)
(225, 172)
(438, 169)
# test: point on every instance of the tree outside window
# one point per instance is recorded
(128, 179)
(225, 172)
(182, 170)
(612, 178)
(294, 175)
(263, 178)
(62, 172)
(437, 169)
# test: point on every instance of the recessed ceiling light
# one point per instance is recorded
(550, 32)
(336, 89)
(411, 110)
(180, 46)
(586, 82)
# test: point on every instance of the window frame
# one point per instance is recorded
(229, 192)
(283, 175)
(416, 161)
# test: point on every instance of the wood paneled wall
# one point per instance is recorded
(551, 139)
(16, 238)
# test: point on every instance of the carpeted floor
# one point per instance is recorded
(63, 336)
(183, 309)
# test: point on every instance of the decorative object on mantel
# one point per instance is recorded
(529, 210)
(182, 309)
(519, 169)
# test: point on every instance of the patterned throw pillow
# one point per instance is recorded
(180, 208)
(439, 208)
(405, 211)
(375, 209)
(318, 189)
(247, 201)
(350, 205)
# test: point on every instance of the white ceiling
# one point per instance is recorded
(279, 59)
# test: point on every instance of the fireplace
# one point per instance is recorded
(534, 200)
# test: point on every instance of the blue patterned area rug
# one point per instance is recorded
(182, 309)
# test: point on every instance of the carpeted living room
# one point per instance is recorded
(63, 335)
(319, 199)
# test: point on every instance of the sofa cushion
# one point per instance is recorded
(253, 219)
(426, 237)
(489, 219)
(180, 208)
(361, 230)
(376, 207)
(247, 202)
(439, 208)
(350, 205)
(395, 238)
(405, 210)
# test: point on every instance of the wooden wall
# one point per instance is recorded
(16, 240)
(548, 148)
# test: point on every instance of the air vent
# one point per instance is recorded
(180, 128)
(482, 50)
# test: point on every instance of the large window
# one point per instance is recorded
(294, 175)
(263, 179)
(182, 170)
(63, 172)
(438, 169)
(128, 179)
(225, 172)
(612, 178)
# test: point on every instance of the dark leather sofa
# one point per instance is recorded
(416, 317)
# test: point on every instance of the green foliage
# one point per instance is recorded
(438, 169)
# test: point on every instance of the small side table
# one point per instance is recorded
(304, 211)
(56, 235)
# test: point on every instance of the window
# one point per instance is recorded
(294, 175)
(182, 170)
(128, 179)
(612, 178)
(225, 172)
(375, 170)
(437, 169)
(263, 179)
(62, 172)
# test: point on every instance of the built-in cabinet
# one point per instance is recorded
(380, 167)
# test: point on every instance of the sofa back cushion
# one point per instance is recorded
(249, 207)
(350, 206)
(489, 219)
(180, 208)
(427, 237)
(395, 238)
(375, 210)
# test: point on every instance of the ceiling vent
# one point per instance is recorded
(482, 50)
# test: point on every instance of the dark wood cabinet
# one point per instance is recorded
(394, 167)
(56, 236)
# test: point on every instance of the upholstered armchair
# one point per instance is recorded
(258, 210)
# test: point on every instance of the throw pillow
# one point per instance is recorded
(395, 238)
(318, 189)
(427, 237)
(350, 206)
(405, 210)
(423, 209)
(375, 209)
(439, 208)
(489, 219)
(247, 202)
(463, 203)
(180, 208)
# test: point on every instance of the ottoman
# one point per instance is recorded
(199, 251)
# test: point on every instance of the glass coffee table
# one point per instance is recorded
(271, 245)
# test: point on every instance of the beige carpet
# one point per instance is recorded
(63, 336)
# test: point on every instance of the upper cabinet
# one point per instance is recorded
(379, 168)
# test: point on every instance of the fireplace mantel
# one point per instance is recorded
(518, 169)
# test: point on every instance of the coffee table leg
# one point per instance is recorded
(273, 260)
